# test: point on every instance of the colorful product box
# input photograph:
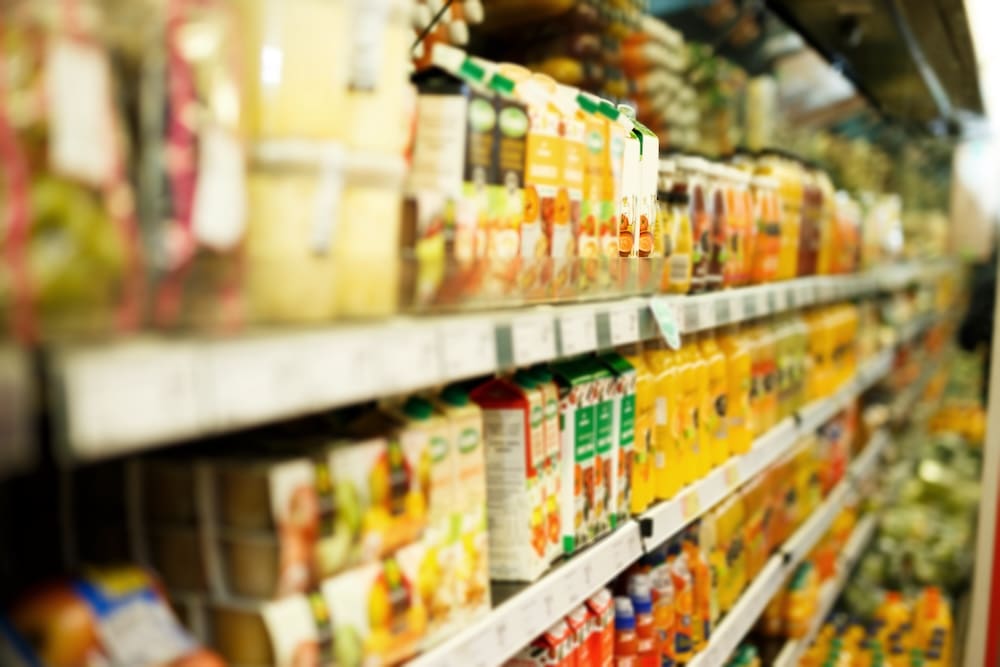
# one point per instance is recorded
(577, 408)
(515, 464)
(604, 511)
(622, 433)
(601, 606)
(553, 476)
(558, 642)
(581, 627)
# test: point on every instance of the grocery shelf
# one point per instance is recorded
(511, 625)
(667, 518)
(738, 622)
(862, 534)
(130, 395)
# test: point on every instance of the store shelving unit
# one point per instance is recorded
(516, 621)
(744, 614)
(127, 396)
(848, 558)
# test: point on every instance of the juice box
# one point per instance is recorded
(558, 642)
(579, 624)
(646, 206)
(532, 656)
(553, 460)
(378, 611)
(602, 641)
(565, 235)
(298, 628)
(604, 511)
(471, 554)
(622, 432)
(515, 464)
(611, 187)
(592, 213)
(577, 409)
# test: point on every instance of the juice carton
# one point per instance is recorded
(602, 646)
(380, 617)
(594, 214)
(471, 560)
(553, 467)
(544, 206)
(565, 237)
(558, 643)
(532, 656)
(515, 461)
(604, 446)
(577, 408)
(579, 624)
(631, 188)
(645, 388)
(623, 433)
(647, 209)
(619, 127)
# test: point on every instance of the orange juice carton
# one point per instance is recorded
(622, 433)
(546, 202)
(605, 454)
(592, 213)
(471, 552)
(515, 461)
(619, 126)
(602, 647)
(564, 238)
(579, 624)
(378, 610)
(558, 643)
(646, 223)
(553, 458)
(631, 185)
(577, 407)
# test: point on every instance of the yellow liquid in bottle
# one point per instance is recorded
(688, 439)
(645, 386)
(718, 390)
(738, 368)
(702, 460)
(664, 478)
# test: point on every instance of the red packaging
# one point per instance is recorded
(533, 656)
(558, 641)
(579, 625)
(602, 608)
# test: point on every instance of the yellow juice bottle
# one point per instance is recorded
(738, 370)
(645, 387)
(932, 630)
(764, 377)
(784, 353)
(702, 457)
(687, 415)
(662, 363)
(718, 391)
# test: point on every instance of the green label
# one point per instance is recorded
(481, 115)
(468, 440)
(438, 449)
(551, 408)
(584, 445)
(595, 142)
(605, 423)
(513, 122)
(627, 436)
(666, 321)
(536, 416)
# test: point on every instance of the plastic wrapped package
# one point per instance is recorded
(71, 247)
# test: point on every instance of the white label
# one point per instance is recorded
(142, 632)
(468, 348)
(578, 333)
(661, 410)
(532, 339)
(78, 89)
(692, 317)
(219, 217)
(368, 33)
(665, 314)
(723, 313)
(624, 325)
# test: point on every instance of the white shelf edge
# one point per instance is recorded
(512, 625)
(738, 622)
(126, 396)
(793, 649)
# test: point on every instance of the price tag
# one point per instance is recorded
(791, 299)
(690, 505)
(624, 325)
(772, 301)
(577, 333)
(807, 294)
(736, 309)
(723, 312)
(533, 339)
(731, 474)
(750, 306)
(665, 314)
(467, 348)
(692, 316)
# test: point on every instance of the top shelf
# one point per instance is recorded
(127, 396)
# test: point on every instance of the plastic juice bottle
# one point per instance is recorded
(718, 216)
(663, 606)
(626, 637)
(683, 603)
(714, 557)
(718, 393)
(790, 207)
(694, 442)
(800, 353)
(892, 616)
(800, 601)
(706, 411)
(809, 233)
(933, 626)
(640, 592)
(680, 259)
(701, 594)
(687, 407)
(690, 171)
(757, 373)
(742, 233)
(645, 391)
(825, 261)
(763, 379)
(662, 362)
(738, 380)
(769, 340)
(783, 361)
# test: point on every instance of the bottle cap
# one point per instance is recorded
(624, 614)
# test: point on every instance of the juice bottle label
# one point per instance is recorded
(611, 186)
(564, 231)
(604, 447)
(480, 173)
(577, 408)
